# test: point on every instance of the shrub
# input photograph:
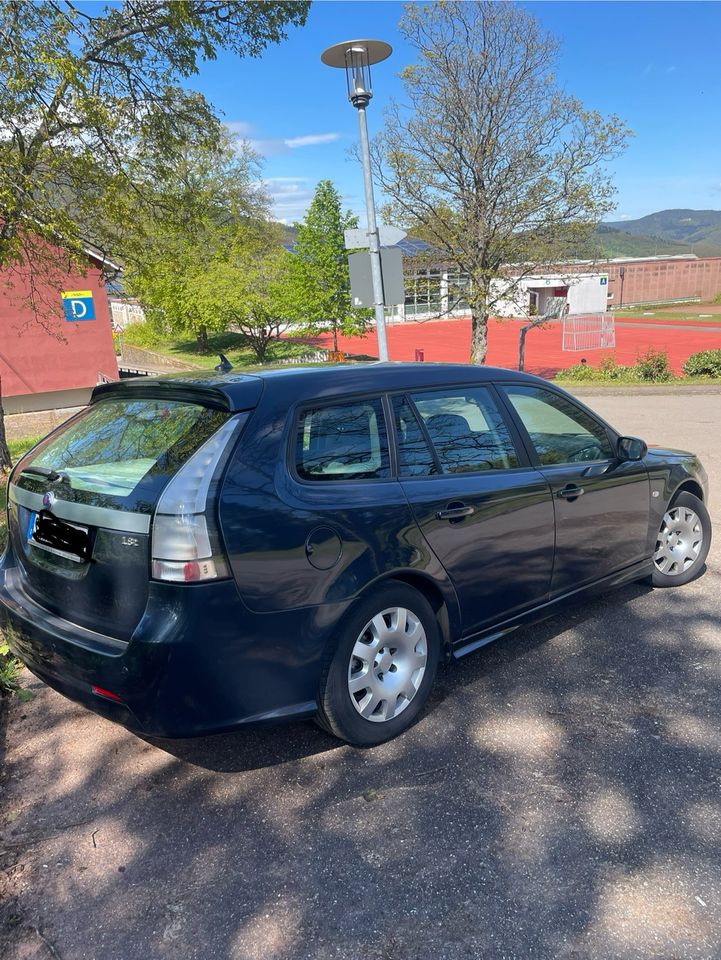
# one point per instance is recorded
(579, 372)
(653, 366)
(617, 371)
(607, 370)
(141, 334)
(706, 363)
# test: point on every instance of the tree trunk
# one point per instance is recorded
(479, 335)
(522, 345)
(335, 338)
(201, 339)
(5, 461)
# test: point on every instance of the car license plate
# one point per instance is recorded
(50, 533)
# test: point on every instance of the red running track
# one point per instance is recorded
(450, 340)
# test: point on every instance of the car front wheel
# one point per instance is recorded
(381, 672)
(682, 543)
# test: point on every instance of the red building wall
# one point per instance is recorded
(649, 281)
(50, 354)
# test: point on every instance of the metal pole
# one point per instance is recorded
(373, 241)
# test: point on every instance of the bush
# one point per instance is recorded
(607, 370)
(580, 372)
(706, 363)
(611, 370)
(141, 334)
(653, 366)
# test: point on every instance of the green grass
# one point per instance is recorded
(233, 345)
(634, 382)
(661, 311)
(18, 447)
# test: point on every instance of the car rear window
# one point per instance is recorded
(121, 453)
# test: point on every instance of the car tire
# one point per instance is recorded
(683, 542)
(380, 673)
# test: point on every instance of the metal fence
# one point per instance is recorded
(589, 331)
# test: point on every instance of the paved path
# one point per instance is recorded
(560, 799)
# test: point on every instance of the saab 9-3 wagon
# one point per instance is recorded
(197, 553)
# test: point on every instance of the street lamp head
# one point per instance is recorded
(356, 57)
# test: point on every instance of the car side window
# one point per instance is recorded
(415, 457)
(345, 441)
(467, 429)
(560, 431)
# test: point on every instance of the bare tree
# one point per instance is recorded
(493, 165)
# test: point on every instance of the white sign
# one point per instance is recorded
(358, 239)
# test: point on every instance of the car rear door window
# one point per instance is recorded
(345, 441)
(560, 431)
(415, 457)
(466, 429)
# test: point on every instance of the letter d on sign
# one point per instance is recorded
(78, 305)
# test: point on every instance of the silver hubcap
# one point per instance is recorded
(387, 664)
(679, 541)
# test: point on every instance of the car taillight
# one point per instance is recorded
(187, 546)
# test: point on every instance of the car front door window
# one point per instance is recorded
(560, 431)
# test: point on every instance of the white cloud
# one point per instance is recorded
(269, 180)
(272, 146)
(269, 148)
(240, 128)
(311, 140)
(290, 197)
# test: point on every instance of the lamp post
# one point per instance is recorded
(356, 57)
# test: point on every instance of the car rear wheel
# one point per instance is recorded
(683, 542)
(380, 675)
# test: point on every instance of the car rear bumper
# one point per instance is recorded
(198, 662)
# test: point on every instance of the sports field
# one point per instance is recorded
(449, 340)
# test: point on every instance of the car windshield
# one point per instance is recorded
(121, 452)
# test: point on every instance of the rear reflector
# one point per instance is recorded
(190, 571)
(100, 692)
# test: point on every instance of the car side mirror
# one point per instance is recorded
(631, 448)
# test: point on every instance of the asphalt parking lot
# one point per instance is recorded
(560, 798)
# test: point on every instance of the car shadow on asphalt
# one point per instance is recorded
(253, 748)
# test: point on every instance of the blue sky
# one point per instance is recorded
(654, 64)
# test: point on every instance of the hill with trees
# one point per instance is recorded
(665, 232)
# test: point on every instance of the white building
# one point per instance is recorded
(584, 293)
(439, 292)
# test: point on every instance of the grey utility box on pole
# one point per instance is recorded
(361, 278)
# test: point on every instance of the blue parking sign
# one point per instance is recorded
(78, 304)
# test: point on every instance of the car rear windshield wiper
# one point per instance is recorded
(47, 472)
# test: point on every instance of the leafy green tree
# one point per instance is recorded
(493, 164)
(80, 88)
(321, 287)
(194, 210)
(250, 288)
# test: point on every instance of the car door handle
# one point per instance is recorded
(570, 492)
(455, 513)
